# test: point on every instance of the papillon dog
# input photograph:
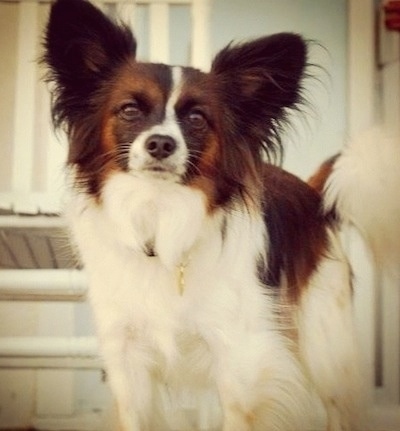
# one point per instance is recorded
(221, 293)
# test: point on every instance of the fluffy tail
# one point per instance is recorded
(361, 186)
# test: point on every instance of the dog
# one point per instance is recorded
(221, 292)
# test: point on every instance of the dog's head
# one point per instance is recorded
(204, 130)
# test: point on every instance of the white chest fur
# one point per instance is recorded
(143, 321)
(218, 252)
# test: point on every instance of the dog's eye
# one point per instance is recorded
(130, 111)
(196, 119)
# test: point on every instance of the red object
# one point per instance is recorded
(392, 15)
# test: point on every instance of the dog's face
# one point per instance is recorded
(158, 123)
(205, 130)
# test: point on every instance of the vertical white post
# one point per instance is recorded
(389, 61)
(361, 112)
(365, 303)
(200, 49)
(159, 32)
(55, 150)
(23, 146)
(390, 339)
(126, 12)
(389, 58)
(361, 65)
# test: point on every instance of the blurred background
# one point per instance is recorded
(50, 375)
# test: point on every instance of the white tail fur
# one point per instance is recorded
(364, 189)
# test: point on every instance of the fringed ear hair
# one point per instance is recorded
(82, 47)
(268, 69)
(261, 79)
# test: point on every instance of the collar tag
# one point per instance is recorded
(181, 284)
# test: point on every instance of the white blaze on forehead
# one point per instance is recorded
(139, 157)
(176, 88)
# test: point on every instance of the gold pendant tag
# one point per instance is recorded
(181, 276)
(181, 279)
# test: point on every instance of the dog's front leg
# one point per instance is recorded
(236, 394)
(129, 380)
(260, 385)
(235, 383)
(235, 417)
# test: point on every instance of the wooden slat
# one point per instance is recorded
(48, 347)
(28, 222)
(25, 98)
(361, 65)
(159, 32)
(126, 12)
(51, 363)
(42, 285)
(390, 392)
(200, 49)
(56, 148)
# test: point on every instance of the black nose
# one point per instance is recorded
(160, 146)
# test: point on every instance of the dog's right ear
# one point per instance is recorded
(83, 46)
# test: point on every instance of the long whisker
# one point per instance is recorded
(102, 161)
(197, 170)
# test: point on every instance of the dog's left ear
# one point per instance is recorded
(262, 77)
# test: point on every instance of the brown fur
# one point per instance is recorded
(297, 229)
